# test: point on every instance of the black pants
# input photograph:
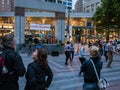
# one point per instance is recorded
(82, 59)
(106, 56)
(67, 54)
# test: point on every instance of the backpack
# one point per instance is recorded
(4, 72)
(3, 69)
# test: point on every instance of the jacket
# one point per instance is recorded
(36, 77)
(88, 70)
(15, 66)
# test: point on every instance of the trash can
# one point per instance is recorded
(54, 53)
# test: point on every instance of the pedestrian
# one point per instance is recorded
(100, 49)
(67, 49)
(72, 51)
(89, 44)
(106, 50)
(110, 54)
(30, 40)
(52, 39)
(90, 79)
(81, 55)
(39, 75)
(41, 35)
(81, 50)
(13, 67)
(48, 38)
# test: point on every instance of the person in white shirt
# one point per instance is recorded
(67, 49)
(81, 55)
(72, 51)
(82, 50)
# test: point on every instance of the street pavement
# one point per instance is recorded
(67, 78)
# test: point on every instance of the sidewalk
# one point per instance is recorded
(59, 68)
(114, 85)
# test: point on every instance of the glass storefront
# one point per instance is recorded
(82, 30)
(6, 25)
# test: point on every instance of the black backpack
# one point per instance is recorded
(3, 68)
(4, 72)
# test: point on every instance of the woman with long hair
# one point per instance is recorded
(39, 75)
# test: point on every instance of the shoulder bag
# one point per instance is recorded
(102, 82)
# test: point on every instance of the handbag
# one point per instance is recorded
(102, 82)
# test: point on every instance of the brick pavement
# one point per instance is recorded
(66, 77)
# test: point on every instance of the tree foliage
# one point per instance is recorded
(116, 6)
(107, 16)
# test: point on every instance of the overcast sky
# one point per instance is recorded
(74, 1)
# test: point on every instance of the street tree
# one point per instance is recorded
(104, 17)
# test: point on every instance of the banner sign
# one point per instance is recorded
(40, 26)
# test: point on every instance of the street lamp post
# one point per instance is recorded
(68, 25)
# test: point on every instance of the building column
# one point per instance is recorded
(60, 26)
(19, 24)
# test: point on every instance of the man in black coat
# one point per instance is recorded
(13, 63)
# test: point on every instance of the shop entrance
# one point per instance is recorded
(21, 5)
(82, 34)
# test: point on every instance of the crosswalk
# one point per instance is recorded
(67, 78)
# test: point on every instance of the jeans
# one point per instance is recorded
(72, 55)
(110, 58)
(90, 86)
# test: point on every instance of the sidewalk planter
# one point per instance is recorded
(53, 48)
(54, 53)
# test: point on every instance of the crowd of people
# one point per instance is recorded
(97, 51)
(106, 49)
(39, 75)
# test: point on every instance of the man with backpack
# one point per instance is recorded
(11, 65)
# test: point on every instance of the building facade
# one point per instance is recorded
(90, 6)
(81, 27)
(79, 6)
(6, 5)
(68, 4)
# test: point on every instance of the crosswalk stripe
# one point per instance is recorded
(70, 80)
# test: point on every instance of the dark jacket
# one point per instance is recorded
(37, 77)
(88, 70)
(15, 66)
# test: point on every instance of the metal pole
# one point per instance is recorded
(68, 25)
